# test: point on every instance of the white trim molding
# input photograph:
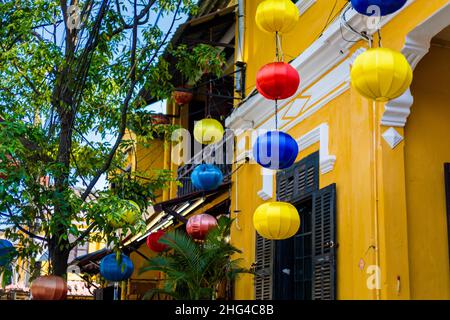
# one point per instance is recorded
(266, 192)
(304, 5)
(416, 46)
(319, 134)
(326, 62)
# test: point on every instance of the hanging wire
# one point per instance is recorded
(279, 48)
(276, 114)
(346, 25)
(380, 44)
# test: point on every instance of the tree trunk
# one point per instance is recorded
(58, 256)
(59, 246)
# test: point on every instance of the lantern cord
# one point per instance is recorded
(279, 48)
(361, 35)
(380, 45)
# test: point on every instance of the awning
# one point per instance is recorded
(176, 210)
(166, 213)
(88, 263)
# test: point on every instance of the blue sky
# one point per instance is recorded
(158, 107)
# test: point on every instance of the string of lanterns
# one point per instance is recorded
(379, 74)
(276, 149)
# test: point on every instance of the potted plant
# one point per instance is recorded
(193, 64)
(147, 124)
(195, 270)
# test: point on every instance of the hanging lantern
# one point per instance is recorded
(49, 288)
(276, 220)
(113, 270)
(275, 150)
(377, 7)
(127, 214)
(277, 16)
(206, 177)
(381, 74)
(153, 241)
(208, 131)
(7, 251)
(182, 97)
(198, 226)
(277, 81)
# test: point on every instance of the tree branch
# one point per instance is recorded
(28, 233)
(122, 127)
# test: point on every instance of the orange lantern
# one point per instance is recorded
(49, 288)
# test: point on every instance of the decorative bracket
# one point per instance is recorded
(416, 46)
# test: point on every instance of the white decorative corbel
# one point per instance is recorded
(396, 112)
(319, 134)
(416, 46)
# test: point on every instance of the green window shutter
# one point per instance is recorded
(324, 244)
(263, 268)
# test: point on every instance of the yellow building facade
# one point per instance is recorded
(386, 161)
(370, 178)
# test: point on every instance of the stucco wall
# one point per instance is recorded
(427, 148)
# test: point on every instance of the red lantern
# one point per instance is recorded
(49, 288)
(153, 241)
(198, 226)
(182, 97)
(277, 81)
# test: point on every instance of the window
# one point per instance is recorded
(304, 266)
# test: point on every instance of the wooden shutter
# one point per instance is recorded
(299, 180)
(324, 244)
(263, 268)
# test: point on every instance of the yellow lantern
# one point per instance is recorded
(381, 74)
(277, 16)
(276, 220)
(128, 214)
(208, 131)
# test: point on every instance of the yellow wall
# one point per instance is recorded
(427, 140)
(372, 220)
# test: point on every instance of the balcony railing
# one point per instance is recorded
(225, 165)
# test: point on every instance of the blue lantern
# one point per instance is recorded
(206, 177)
(7, 251)
(112, 270)
(377, 7)
(275, 150)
